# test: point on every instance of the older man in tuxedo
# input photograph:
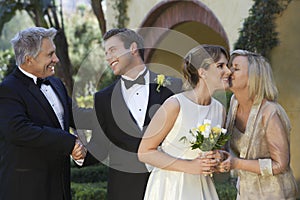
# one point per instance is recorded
(35, 115)
(124, 109)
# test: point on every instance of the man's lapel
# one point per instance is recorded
(121, 114)
(62, 97)
(38, 95)
(154, 99)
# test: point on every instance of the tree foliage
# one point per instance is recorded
(45, 13)
(122, 18)
(86, 52)
(20, 21)
(258, 33)
(6, 61)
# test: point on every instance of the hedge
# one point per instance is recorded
(90, 183)
(88, 191)
(90, 174)
(97, 191)
(226, 190)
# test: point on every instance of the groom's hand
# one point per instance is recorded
(79, 151)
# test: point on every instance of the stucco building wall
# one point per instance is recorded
(231, 14)
(285, 60)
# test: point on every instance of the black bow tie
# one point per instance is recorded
(139, 80)
(40, 81)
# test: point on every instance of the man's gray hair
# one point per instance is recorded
(28, 42)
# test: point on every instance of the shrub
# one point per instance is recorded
(88, 191)
(226, 190)
(90, 174)
(259, 29)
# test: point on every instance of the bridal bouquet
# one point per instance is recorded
(206, 138)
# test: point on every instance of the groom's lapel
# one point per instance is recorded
(154, 99)
(121, 113)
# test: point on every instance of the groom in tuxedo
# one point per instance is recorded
(35, 115)
(124, 109)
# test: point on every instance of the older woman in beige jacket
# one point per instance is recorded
(260, 128)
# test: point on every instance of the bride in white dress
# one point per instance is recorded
(179, 172)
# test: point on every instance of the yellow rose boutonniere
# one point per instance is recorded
(161, 80)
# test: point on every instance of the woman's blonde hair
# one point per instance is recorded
(261, 82)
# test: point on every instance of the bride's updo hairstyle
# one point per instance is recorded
(201, 56)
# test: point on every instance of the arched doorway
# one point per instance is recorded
(173, 27)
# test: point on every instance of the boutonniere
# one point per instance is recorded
(161, 80)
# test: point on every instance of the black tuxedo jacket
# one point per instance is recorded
(119, 138)
(34, 150)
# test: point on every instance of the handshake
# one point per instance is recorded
(79, 151)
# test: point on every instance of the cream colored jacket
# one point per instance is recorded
(256, 144)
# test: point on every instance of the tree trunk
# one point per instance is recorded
(64, 68)
(98, 11)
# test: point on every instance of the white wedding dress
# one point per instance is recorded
(172, 185)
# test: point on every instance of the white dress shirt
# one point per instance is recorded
(136, 98)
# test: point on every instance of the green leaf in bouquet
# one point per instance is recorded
(221, 141)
